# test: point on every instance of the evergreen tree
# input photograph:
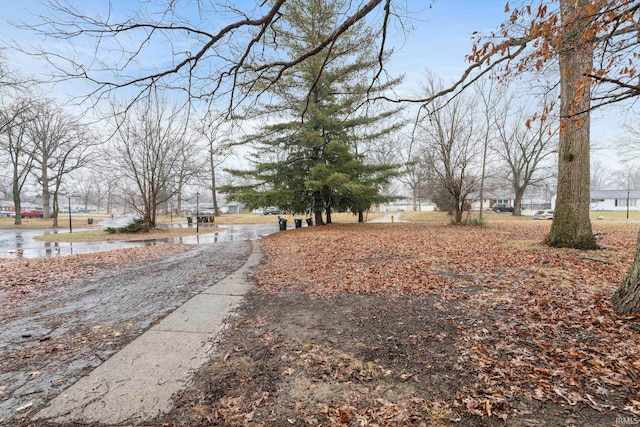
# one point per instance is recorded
(307, 161)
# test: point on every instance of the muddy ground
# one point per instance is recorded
(357, 360)
(53, 335)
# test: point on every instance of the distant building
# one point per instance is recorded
(7, 208)
(526, 204)
(232, 208)
(615, 200)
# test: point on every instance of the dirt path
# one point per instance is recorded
(54, 337)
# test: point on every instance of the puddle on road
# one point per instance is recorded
(21, 243)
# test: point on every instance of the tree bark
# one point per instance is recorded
(56, 209)
(212, 166)
(627, 296)
(46, 197)
(317, 208)
(16, 201)
(517, 202)
(571, 224)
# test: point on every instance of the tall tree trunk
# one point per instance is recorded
(627, 296)
(214, 195)
(458, 214)
(459, 207)
(517, 201)
(317, 208)
(45, 192)
(361, 215)
(318, 201)
(571, 224)
(16, 201)
(56, 209)
(328, 212)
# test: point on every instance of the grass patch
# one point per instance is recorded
(267, 219)
(423, 216)
(614, 215)
(103, 236)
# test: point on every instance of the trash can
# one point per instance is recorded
(309, 222)
(298, 223)
(189, 220)
(283, 224)
(89, 221)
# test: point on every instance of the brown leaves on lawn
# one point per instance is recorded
(22, 276)
(538, 322)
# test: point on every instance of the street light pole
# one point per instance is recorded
(627, 203)
(70, 227)
(197, 213)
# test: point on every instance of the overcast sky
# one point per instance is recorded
(439, 40)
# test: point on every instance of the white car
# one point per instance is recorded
(548, 214)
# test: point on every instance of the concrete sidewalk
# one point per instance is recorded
(136, 384)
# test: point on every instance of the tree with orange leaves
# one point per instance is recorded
(595, 45)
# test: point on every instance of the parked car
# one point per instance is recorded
(271, 211)
(32, 214)
(500, 207)
(548, 214)
(7, 214)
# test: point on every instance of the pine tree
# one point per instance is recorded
(313, 163)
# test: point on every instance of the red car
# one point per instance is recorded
(32, 214)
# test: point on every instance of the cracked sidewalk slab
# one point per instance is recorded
(137, 383)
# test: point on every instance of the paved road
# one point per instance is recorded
(12, 241)
(390, 217)
(51, 342)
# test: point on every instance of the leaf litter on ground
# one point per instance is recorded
(537, 324)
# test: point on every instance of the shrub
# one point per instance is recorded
(135, 227)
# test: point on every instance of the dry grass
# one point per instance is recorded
(267, 219)
(77, 222)
(103, 236)
(614, 215)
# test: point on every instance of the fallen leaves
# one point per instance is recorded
(547, 329)
(23, 276)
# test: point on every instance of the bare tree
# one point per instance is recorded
(14, 123)
(225, 60)
(628, 144)
(148, 148)
(417, 166)
(525, 142)
(218, 148)
(62, 145)
(450, 132)
(86, 188)
(601, 175)
(489, 95)
(627, 178)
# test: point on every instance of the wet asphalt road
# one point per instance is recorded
(49, 343)
(12, 241)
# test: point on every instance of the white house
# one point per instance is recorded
(615, 200)
(526, 204)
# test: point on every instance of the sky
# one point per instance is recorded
(440, 37)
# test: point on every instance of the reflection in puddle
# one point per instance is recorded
(21, 243)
